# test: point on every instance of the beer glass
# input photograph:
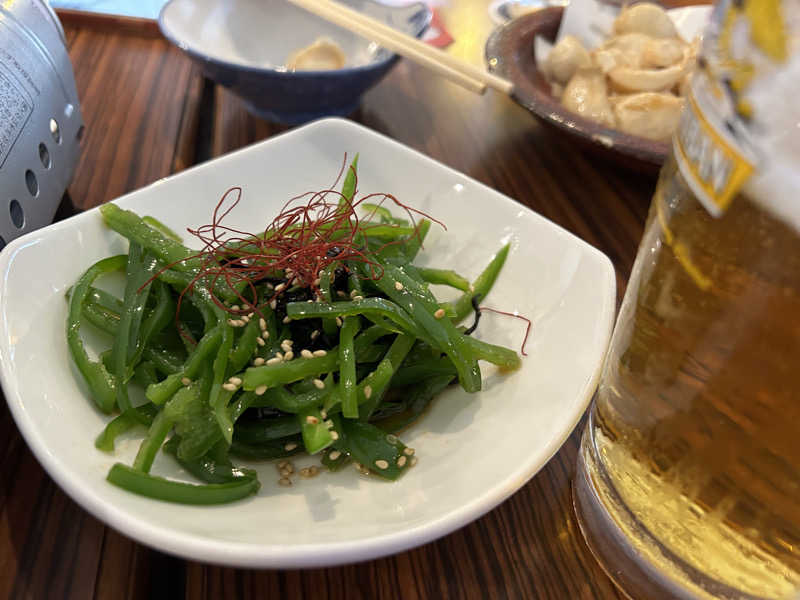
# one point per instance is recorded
(688, 478)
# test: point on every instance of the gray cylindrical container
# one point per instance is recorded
(40, 119)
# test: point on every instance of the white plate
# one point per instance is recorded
(474, 450)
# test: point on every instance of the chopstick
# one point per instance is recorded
(469, 76)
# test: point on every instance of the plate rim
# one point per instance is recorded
(324, 554)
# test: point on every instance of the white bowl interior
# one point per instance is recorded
(256, 33)
(474, 450)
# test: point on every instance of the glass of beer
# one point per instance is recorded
(688, 479)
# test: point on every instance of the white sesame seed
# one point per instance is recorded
(258, 361)
(262, 323)
(288, 342)
(319, 353)
(309, 301)
(334, 454)
(186, 381)
(285, 347)
(235, 380)
(311, 471)
(231, 322)
(315, 334)
(245, 319)
(281, 464)
(353, 293)
(398, 286)
(250, 315)
(229, 387)
(265, 334)
(280, 287)
(306, 353)
(316, 281)
(290, 446)
(285, 481)
(289, 468)
(235, 307)
(312, 420)
(439, 313)
(338, 321)
(279, 355)
(381, 464)
(401, 462)
(408, 451)
(334, 436)
(260, 341)
(392, 439)
(285, 473)
(357, 298)
(340, 293)
(367, 391)
(286, 319)
(323, 413)
(289, 355)
(413, 460)
(274, 360)
(270, 286)
(328, 424)
(319, 384)
(273, 304)
(260, 390)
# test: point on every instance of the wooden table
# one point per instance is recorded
(150, 113)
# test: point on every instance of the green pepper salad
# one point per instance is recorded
(316, 335)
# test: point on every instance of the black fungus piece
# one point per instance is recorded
(476, 307)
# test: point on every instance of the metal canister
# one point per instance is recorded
(40, 118)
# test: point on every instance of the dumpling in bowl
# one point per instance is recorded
(649, 19)
(631, 80)
(322, 55)
(626, 50)
(566, 57)
(660, 53)
(587, 95)
(650, 115)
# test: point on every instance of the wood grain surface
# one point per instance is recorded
(149, 113)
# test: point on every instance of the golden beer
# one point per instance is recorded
(688, 482)
(697, 421)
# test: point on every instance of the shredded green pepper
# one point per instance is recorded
(332, 364)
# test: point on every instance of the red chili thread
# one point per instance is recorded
(518, 316)
(309, 233)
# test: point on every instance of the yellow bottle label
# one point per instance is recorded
(727, 129)
(713, 166)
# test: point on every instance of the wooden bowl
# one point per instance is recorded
(510, 54)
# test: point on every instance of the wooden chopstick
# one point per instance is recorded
(473, 78)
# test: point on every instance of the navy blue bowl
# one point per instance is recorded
(243, 45)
